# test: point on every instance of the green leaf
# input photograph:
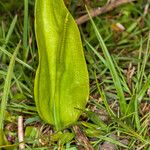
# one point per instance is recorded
(3, 106)
(111, 140)
(65, 138)
(31, 132)
(111, 65)
(96, 119)
(61, 87)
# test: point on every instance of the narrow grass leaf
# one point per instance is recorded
(112, 69)
(25, 31)
(96, 119)
(6, 93)
(140, 91)
(145, 59)
(17, 59)
(111, 140)
(10, 31)
(122, 78)
(97, 54)
(128, 130)
(101, 92)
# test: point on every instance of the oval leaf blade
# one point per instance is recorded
(61, 83)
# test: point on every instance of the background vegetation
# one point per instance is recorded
(116, 47)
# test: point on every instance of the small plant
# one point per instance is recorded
(61, 84)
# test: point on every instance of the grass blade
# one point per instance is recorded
(25, 31)
(6, 93)
(112, 69)
(11, 29)
(111, 140)
(17, 59)
(102, 93)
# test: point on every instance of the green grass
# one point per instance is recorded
(119, 72)
(6, 92)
